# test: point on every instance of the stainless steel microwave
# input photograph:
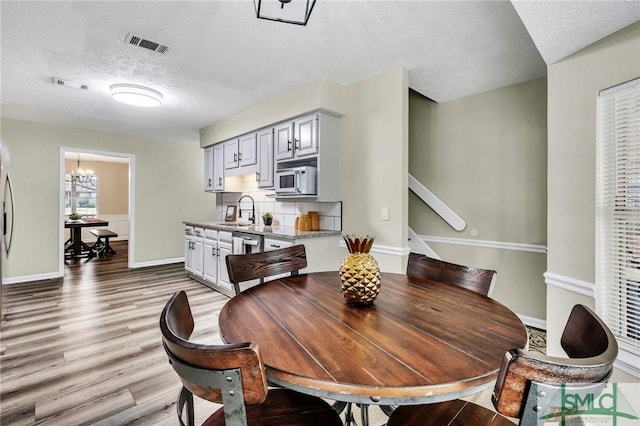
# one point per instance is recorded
(296, 181)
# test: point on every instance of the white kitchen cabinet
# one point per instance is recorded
(274, 244)
(194, 245)
(218, 167)
(266, 160)
(205, 257)
(297, 138)
(198, 247)
(210, 265)
(240, 152)
(283, 135)
(306, 135)
(224, 249)
(214, 168)
(247, 150)
(231, 154)
(188, 248)
(208, 169)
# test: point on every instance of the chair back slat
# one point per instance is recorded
(591, 366)
(176, 325)
(246, 267)
(475, 279)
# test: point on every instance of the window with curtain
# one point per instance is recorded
(81, 195)
(618, 212)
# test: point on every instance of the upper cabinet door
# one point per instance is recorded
(208, 168)
(247, 152)
(266, 161)
(306, 135)
(231, 154)
(283, 134)
(218, 167)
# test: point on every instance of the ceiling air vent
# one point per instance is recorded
(147, 44)
(68, 83)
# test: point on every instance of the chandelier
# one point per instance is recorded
(296, 12)
(81, 176)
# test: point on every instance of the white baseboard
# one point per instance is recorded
(30, 278)
(533, 322)
(158, 262)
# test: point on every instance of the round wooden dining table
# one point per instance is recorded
(421, 341)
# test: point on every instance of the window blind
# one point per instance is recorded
(618, 211)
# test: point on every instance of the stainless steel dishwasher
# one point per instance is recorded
(246, 242)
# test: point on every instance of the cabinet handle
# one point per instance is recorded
(213, 251)
(235, 157)
(239, 156)
(220, 181)
(288, 145)
(218, 252)
(297, 144)
(275, 246)
(257, 176)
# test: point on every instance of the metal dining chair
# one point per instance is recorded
(528, 381)
(234, 375)
(475, 279)
(252, 266)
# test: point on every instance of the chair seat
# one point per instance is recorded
(285, 407)
(451, 413)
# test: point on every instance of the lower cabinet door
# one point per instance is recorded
(223, 275)
(211, 261)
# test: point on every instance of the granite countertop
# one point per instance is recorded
(276, 231)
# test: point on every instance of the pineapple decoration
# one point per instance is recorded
(359, 272)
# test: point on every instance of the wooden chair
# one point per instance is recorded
(475, 279)
(234, 375)
(246, 267)
(523, 376)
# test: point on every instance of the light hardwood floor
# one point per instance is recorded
(87, 349)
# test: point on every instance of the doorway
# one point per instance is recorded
(124, 165)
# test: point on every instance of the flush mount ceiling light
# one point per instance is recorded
(296, 11)
(133, 94)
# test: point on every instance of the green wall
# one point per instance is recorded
(168, 189)
(573, 86)
(373, 152)
(485, 157)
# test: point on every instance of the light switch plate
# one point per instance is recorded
(384, 213)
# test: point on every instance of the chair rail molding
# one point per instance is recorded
(502, 245)
(570, 284)
(437, 205)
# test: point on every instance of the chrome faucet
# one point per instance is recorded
(252, 218)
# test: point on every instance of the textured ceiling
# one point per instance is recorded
(222, 60)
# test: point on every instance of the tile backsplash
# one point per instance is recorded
(284, 212)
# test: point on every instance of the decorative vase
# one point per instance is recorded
(267, 220)
(359, 272)
(314, 220)
(304, 224)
